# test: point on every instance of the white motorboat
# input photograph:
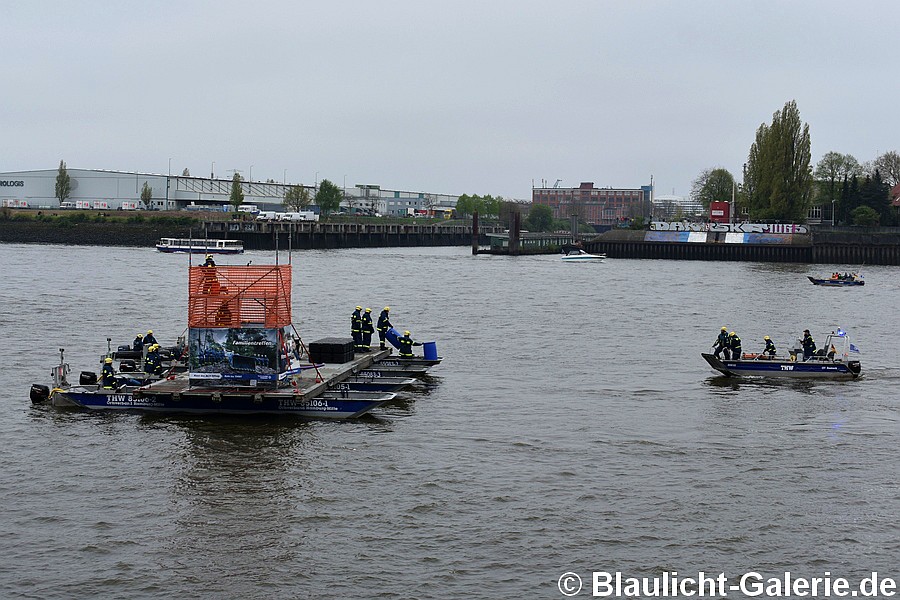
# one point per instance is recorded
(581, 255)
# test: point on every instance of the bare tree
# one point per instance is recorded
(888, 164)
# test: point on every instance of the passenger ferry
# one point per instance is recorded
(200, 246)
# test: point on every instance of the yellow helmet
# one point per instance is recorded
(724, 329)
(406, 332)
(368, 310)
(140, 335)
(387, 308)
(108, 360)
(732, 333)
(359, 308)
(765, 337)
(209, 256)
(149, 332)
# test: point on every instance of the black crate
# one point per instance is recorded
(331, 350)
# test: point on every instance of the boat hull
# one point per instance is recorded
(784, 368)
(583, 258)
(374, 384)
(836, 282)
(274, 402)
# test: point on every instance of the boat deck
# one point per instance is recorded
(305, 384)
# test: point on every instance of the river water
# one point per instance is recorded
(573, 427)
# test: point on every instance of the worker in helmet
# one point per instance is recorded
(809, 345)
(367, 331)
(149, 340)
(384, 323)
(770, 346)
(108, 375)
(734, 344)
(356, 328)
(721, 343)
(153, 362)
(138, 344)
(209, 261)
(406, 344)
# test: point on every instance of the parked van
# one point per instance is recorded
(248, 208)
(129, 206)
(267, 215)
(66, 205)
(100, 205)
(83, 204)
(306, 215)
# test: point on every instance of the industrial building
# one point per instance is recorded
(96, 188)
(597, 206)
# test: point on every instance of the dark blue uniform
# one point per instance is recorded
(734, 343)
(138, 344)
(108, 376)
(406, 344)
(149, 340)
(809, 345)
(367, 331)
(356, 328)
(770, 348)
(384, 323)
(722, 344)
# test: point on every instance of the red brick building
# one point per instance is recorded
(598, 206)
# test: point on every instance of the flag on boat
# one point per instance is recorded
(853, 347)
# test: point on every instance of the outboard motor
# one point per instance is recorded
(39, 393)
(87, 378)
(127, 366)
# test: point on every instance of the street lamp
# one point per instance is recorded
(168, 177)
(832, 212)
(284, 178)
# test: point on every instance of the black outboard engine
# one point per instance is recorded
(127, 366)
(87, 378)
(39, 393)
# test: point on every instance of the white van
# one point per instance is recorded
(248, 208)
(306, 215)
(66, 205)
(267, 215)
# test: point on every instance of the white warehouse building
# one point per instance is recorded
(97, 188)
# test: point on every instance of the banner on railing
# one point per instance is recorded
(791, 228)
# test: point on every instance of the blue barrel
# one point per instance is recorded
(393, 336)
(430, 349)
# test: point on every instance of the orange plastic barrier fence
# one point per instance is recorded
(236, 296)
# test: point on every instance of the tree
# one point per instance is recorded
(778, 178)
(328, 197)
(889, 166)
(540, 218)
(712, 185)
(832, 169)
(146, 195)
(465, 206)
(63, 183)
(237, 191)
(296, 198)
(865, 216)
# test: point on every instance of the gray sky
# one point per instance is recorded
(478, 97)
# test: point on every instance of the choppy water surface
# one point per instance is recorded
(574, 427)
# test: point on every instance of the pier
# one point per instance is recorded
(876, 246)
